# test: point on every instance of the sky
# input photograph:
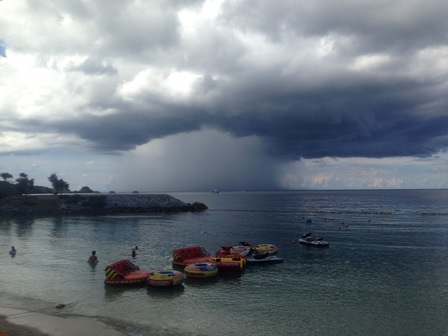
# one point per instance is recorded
(230, 95)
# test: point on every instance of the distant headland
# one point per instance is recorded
(22, 197)
(96, 203)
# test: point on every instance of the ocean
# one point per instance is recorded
(385, 272)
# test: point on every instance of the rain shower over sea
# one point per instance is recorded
(385, 272)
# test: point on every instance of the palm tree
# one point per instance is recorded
(59, 185)
(6, 176)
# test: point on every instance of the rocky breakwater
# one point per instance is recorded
(150, 202)
(96, 204)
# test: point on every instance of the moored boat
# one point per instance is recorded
(124, 272)
(234, 263)
(265, 248)
(260, 253)
(189, 255)
(165, 278)
(201, 270)
(239, 251)
(260, 248)
(313, 240)
(263, 258)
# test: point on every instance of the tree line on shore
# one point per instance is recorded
(24, 185)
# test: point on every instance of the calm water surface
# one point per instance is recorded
(385, 272)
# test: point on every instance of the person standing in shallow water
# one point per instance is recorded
(93, 259)
(133, 253)
(13, 251)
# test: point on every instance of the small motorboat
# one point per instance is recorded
(263, 258)
(313, 240)
(238, 251)
(260, 248)
(261, 253)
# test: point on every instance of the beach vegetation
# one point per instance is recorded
(85, 190)
(59, 185)
(6, 176)
(24, 184)
(6, 189)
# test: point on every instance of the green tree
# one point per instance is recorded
(59, 185)
(24, 184)
(6, 176)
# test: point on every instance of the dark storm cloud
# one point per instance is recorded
(348, 117)
(378, 90)
(360, 119)
(356, 117)
(121, 132)
(374, 25)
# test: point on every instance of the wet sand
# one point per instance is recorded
(9, 329)
(16, 322)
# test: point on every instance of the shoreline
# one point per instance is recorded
(18, 322)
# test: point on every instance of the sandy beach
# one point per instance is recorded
(9, 329)
(16, 322)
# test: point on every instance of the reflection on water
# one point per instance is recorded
(113, 293)
(20, 227)
(58, 227)
(165, 293)
(201, 282)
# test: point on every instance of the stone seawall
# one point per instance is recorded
(95, 204)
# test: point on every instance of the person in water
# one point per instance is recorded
(13, 251)
(93, 259)
(133, 253)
